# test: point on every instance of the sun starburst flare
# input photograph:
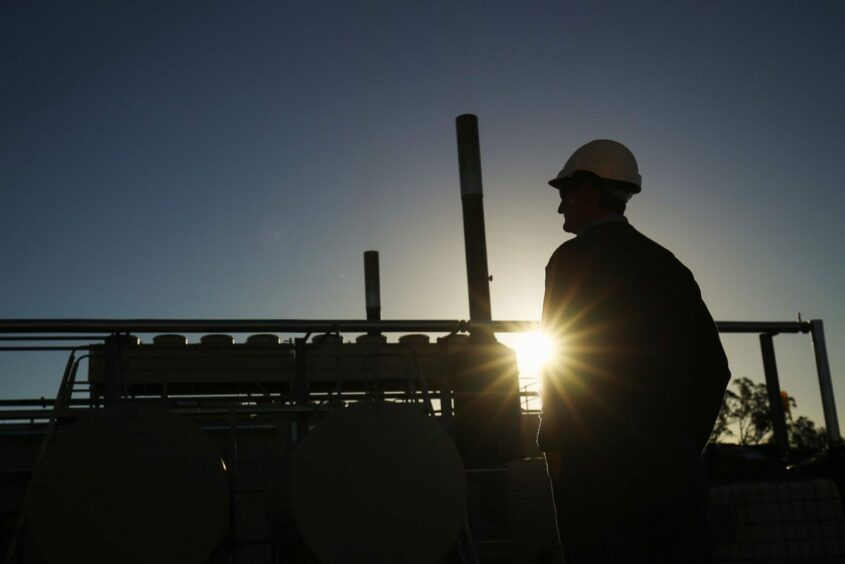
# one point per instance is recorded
(533, 351)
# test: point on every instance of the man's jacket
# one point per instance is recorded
(633, 396)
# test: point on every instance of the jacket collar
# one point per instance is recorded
(613, 218)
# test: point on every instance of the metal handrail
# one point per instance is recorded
(30, 326)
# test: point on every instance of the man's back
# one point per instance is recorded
(629, 406)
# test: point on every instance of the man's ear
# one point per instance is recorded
(590, 193)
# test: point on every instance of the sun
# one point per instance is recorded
(533, 351)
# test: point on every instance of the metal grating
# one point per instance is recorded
(531, 513)
(793, 521)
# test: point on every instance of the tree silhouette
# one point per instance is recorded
(804, 434)
(745, 417)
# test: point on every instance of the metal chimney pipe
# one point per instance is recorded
(372, 288)
(469, 164)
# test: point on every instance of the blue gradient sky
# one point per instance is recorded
(161, 159)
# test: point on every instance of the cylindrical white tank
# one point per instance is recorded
(378, 482)
(129, 484)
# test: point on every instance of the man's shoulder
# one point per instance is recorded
(654, 247)
(612, 242)
(566, 252)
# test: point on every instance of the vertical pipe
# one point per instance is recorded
(469, 164)
(232, 471)
(825, 384)
(776, 411)
(115, 349)
(443, 361)
(372, 288)
(301, 389)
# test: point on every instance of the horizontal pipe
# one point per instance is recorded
(324, 326)
(45, 403)
(228, 409)
(31, 348)
(223, 325)
(26, 414)
(512, 326)
(176, 402)
(53, 338)
(763, 326)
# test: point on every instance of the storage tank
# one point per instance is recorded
(131, 484)
(378, 482)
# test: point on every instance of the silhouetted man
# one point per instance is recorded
(631, 400)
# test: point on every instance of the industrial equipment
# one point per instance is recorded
(269, 441)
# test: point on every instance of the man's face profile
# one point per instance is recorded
(572, 206)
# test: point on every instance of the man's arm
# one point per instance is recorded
(710, 376)
(559, 322)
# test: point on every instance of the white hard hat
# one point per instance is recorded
(604, 158)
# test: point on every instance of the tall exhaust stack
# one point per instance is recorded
(483, 378)
(372, 288)
(478, 278)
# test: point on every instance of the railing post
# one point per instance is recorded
(831, 420)
(773, 386)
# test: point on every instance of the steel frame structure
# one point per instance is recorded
(57, 330)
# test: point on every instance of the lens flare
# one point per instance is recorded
(533, 351)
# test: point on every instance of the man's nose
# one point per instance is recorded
(560, 207)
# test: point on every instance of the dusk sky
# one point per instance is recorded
(235, 159)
